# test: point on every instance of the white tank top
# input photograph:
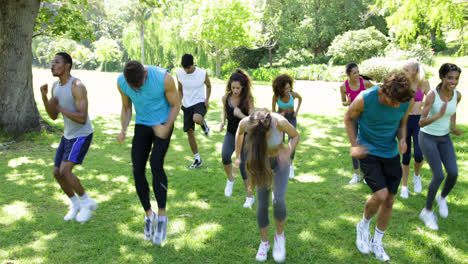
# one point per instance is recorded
(65, 97)
(193, 86)
(441, 126)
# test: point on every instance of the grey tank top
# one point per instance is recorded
(65, 97)
(275, 138)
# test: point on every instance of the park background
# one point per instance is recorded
(311, 40)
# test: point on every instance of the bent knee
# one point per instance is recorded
(197, 118)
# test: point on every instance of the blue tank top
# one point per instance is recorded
(288, 104)
(378, 125)
(151, 105)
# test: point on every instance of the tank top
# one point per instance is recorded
(289, 104)
(378, 125)
(65, 97)
(353, 94)
(441, 126)
(275, 138)
(193, 86)
(419, 95)
(233, 121)
(150, 102)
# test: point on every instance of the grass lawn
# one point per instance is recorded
(205, 226)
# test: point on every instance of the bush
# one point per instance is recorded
(248, 58)
(420, 50)
(439, 44)
(312, 72)
(379, 67)
(357, 45)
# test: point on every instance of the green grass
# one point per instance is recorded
(205, 226)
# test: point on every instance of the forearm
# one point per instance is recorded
(78, 117)
(208, 92)
(453, 122)
(173, 113)
(293, 143)
(428, 120)
(238, 143)
(125, 117)
(50, 109)
(298, 106)
(349, 124)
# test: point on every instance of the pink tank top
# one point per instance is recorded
(418, 95)
(353, 94)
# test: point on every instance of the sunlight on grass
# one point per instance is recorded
(305, 236)
(198, 237)
(350, 218)
(122, 179)
(309, 178)
(17, 210)
(115, 158)
(13, 163)
(125, 230)
(41, 244)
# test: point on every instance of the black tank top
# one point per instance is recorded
(233, 121)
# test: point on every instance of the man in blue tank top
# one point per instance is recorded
(69, 98)
(153, 93)
(382, 113)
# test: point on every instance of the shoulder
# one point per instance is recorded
(224, 98)
(295, 94)
(78, 84)
(343, 86)
(459, 95)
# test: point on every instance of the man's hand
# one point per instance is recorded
(44, 90)
(358, 151)
(120, 137)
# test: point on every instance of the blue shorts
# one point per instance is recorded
(73, 150)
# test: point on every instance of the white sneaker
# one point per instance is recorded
(291, 172)
(364, 180)
(356, 178)
(72, 212)
(417, 184)
(404, 193)
(228, 188)
(379, 251)
(279, 248)
(429, 219)
(150, 226)
(87, 208)
(207, 130)
(443, 208)
(262, 252)
(362, 239)
(161, 232)
(249, 201)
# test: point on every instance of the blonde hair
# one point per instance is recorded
(415, 64)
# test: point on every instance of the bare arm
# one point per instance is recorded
(344, 96)
(50, 105)
(453, 119)
(251, 105)
(208, 90)
(368, 84)
(181, 92)
(401, 133)
(424, 120)
(240, 136)
(273, 104)
(354, 111)
(299, 98)
(285, 126)
(172, 98)
(81, 103)
(125, 115)
(223, 117)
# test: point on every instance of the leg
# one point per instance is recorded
(141, 147)
(385, 212)
(263, 197)
(66, 168)
(198, 119)
(226, 153)
(407, 156)
(66, 187)
(449, 159)
(279, 202)
(192, 141)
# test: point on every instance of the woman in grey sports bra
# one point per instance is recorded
(267, 163)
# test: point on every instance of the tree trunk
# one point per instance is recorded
(269, 56)
(218, 64)
(142, 42)
(18, 110)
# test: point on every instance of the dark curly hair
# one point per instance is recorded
(279, 83)
(445, 69)
(396, 86)
(241, 76)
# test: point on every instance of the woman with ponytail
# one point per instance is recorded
(415, 74)
(267, 164)
(237, 104)
(438, 119)
(350, 89)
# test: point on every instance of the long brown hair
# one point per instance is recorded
(243, 78)
(258, 165)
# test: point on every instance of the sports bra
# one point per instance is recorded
(275, 138)
(418, 95)
(288, 104)
(353, 94)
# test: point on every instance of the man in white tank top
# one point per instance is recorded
(69, 98)
(192, 81)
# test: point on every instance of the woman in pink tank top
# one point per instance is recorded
(350, 89)
(420, 85)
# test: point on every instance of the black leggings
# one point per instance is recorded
(143, 139)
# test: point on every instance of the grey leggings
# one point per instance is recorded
(439, 150)
(228, 149)
(293, 121)
(280, 181)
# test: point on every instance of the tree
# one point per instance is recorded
(412, 18)
(107, 50)
(219, 26)
(18, 110)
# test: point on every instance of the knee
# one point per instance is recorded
(381, 196)
(279, 209)
(190, 132)
(226, 159)
(57, 173)
(64, 172)
(389, 201)
(198, 119)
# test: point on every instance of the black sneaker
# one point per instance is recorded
(206, 129)
(196, 163)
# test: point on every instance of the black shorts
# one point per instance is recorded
(381, 172)
(199, 108)
(73, 150)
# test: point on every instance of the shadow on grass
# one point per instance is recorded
(205, 226)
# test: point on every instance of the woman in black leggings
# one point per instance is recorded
(237, 104)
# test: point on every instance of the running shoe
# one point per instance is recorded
(196, 163)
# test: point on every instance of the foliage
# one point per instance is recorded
(421, 50)
(108, 50)
(411, 18)
(83, 58)
(248, 58)
(378, 68)
(357, 45)
(63, 17)
(439, 44)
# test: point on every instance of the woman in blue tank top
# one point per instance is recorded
(438, 119)
(284, 97)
